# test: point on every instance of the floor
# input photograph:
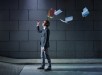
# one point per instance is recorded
(57, 69)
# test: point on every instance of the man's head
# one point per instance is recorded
(46, 23)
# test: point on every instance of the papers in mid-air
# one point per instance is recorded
(67, 19)
(51, 13)
(58, 12)
(85, 12)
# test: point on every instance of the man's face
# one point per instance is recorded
(43, 23)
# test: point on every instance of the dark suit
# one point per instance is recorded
(45, 33)
(44, 42)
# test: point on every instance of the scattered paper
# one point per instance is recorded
(57, 12)
(85, 12)
(67, 19)
(51, 13)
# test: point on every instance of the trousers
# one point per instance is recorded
(45, 55)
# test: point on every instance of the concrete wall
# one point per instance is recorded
(81, 38)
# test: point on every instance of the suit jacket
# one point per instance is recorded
(45, 33)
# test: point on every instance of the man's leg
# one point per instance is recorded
(48, 59)
(43, 59)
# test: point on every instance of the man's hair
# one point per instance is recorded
(47, 24)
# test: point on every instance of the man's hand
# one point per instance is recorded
(38, 22)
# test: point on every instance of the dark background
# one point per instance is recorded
(81, 38)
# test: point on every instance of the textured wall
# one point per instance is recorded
(81, 38)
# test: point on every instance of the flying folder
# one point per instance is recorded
(67, 19)
(85, 12)
(70, 18)
(51, 13)
(58, 12)
(63, 21)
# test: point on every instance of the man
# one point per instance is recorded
(44, 42)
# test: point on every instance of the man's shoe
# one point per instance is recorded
(40, 67)
(48, 69)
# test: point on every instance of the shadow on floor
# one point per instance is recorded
(10, 69)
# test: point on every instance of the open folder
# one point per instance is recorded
(85, 12)
(51, 13)
(67, 19)
(58, 12)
